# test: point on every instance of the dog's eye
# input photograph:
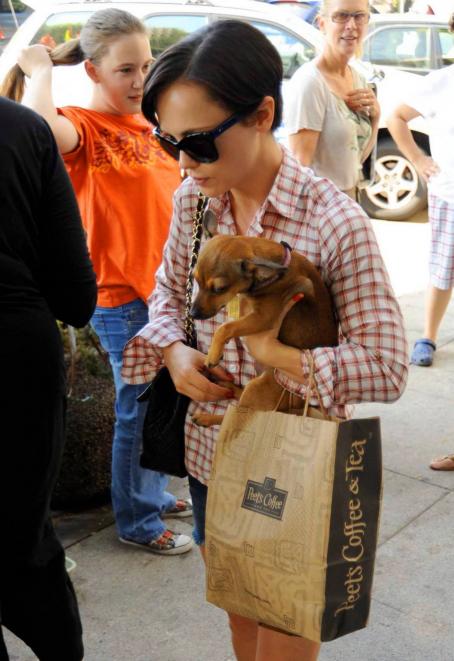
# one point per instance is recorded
(220, 290)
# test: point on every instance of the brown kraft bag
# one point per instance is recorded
(292, 520)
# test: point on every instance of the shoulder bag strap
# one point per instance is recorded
(197, 228)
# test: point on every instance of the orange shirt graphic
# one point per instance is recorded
(124, 183)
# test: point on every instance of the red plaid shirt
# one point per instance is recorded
(317, 220)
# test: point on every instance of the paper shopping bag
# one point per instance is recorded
(292, 520)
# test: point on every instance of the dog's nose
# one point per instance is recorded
(195, 312)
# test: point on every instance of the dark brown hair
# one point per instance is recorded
(236, 64)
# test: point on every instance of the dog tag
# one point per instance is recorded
(233, 308)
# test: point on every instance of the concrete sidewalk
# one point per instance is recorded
(141, 607)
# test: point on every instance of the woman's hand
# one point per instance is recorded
(363, 100)
(426, 166)
(192, 378)
(33, 58)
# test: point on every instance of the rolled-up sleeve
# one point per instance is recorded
(371, 361)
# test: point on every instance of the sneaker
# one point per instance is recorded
(182, 509)
(170, 543)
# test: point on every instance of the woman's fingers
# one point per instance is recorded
(201, 389)
(361, 100)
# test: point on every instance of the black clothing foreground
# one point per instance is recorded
(45, 274)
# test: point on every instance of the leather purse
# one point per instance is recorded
(163, 447)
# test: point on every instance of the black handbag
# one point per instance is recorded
(163, 429)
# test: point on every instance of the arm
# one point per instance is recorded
(403, 137)
(37, 65)
(371, 363)
(161, 341)
(68, 281)
(304, 144)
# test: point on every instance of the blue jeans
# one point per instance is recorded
(199, 495)
(138, 494)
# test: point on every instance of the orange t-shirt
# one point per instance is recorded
(124, 183)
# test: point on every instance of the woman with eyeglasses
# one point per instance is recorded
(124, 183)
(331, 114)
(217, 114)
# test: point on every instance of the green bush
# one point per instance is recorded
(52, 35)
(162, 38)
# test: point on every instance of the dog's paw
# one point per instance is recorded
(213, 358)
(206, 419)
(200, 419)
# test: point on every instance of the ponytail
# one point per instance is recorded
(68, 53)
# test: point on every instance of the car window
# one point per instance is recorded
(293, 51)
(446, 40)
(402, 47)
(61, 27)
(167, 29)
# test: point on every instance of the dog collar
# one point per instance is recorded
(288, 253)
(285, 262)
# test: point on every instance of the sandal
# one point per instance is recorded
(423, 352)
(445, 463)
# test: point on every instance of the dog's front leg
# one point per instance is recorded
(248, 325)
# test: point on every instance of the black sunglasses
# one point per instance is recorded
(198, 145)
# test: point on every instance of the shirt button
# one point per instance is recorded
(232, 368)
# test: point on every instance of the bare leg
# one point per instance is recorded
(277, 646)
(437, 301)
(244, 637)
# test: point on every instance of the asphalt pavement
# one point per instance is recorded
(141, 607)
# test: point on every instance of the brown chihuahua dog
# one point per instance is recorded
(265, 275)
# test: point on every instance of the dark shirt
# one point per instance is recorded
(44, 260)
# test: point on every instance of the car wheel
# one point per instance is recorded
(397, 191)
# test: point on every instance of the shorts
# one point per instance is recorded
(441, 260)
(199, 493)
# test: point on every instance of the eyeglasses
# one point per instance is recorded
(360, 17)
(199, 145)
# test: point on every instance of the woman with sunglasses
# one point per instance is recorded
(124, 184)
(217, 115)
(331, 115)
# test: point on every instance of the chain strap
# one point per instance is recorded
(197, 228)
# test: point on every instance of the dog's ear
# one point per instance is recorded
(262, 269)
(210, 223)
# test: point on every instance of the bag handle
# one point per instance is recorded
(311, 389)
(197, 228)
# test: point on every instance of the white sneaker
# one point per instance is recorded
(169, 543)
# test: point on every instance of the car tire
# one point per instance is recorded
(397, 192)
